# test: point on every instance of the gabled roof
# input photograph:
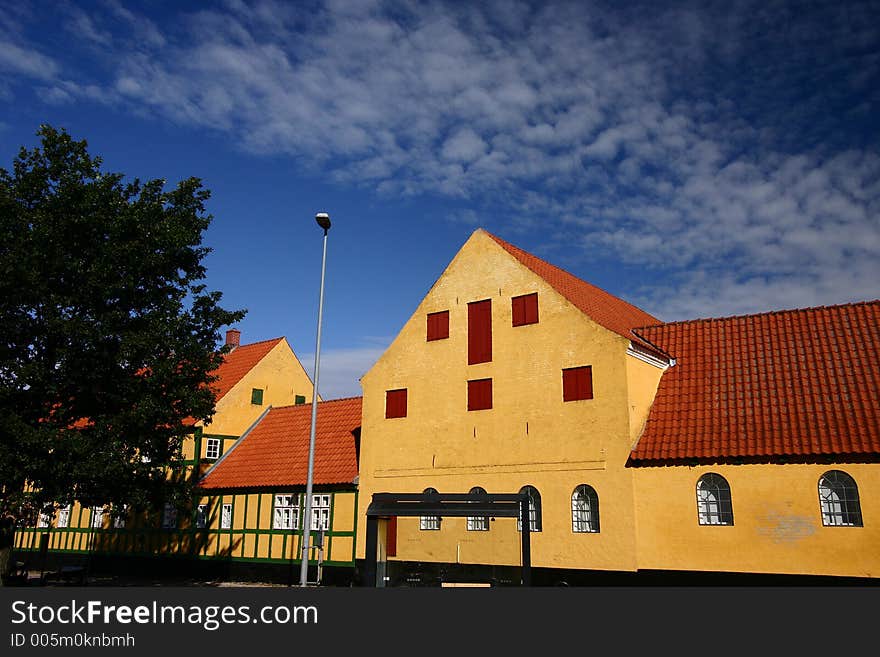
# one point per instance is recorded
(605, 309)
(275, 453)
(798, 383)
(239, 362)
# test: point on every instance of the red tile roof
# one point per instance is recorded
(798, 383)
(605, 309)
(275, 453)
(239, 362)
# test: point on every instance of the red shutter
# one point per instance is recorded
(480, 332)
(395, 403)
(438, 325)
(525, 309)
(391, 537)
(577, 383)
(479, 394)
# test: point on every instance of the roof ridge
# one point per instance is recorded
(765, 313)
(505, 243)
(252, 344)
(606, 309)
(323, 401)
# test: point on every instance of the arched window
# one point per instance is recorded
(478, 523)
(534, 509)
(429, 523)
(714, 506)
(584, 510)
(839, 500)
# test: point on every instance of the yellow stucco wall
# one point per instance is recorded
(529, 437)
(281, 377)
(777, 521)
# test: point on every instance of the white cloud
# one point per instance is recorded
(26, 61)
(681, 139)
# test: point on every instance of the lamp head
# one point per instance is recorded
(323, 220)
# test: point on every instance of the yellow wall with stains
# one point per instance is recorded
(777, 521)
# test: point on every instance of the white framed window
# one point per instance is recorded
(45, 520)
(839, 500)
(584, 510)
(97, 517)
(320, 512)
(714, 503)
(286, 512)
(63, 517)
(534, 509)
(169, 516)
(478, 523)
(429, 523)
(212, 448)
(201, 516)
(119, 520)
(226, 517)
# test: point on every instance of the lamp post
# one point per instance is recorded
(323, 220)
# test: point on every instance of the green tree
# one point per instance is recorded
(107, 335)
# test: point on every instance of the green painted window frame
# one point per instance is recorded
(257, 396)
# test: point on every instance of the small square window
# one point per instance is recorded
(577, 383)
(212, 448)
(299, 399)
(257, 396)
(438, 325)
(479, 394)
(395, 403)
(525, 309)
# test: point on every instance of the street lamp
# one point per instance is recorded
(323, 220)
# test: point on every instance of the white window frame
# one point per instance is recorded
(226, 516)
(169, 516)
(535, 516)
(320, 512)
(285, 511)
(212, 445)
(119, 521)
(63, 517)
(478, 523)
(44, 520)
(839, 511)
(202, 516)
(429, 523)
(712, 509)
(585, 510)
(97, 520)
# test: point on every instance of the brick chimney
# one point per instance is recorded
(233, 338)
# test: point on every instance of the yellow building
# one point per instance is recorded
(513, 375)
(253, 498)
(252, 378)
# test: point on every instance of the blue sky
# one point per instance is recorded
(695, 158)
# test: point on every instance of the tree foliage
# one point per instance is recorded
(107, 334)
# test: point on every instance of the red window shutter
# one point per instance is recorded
(479, 394)
(438, 325)
(525, 309)
(391, 537)
(577, 383)
(480, 332)
(395, 403)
